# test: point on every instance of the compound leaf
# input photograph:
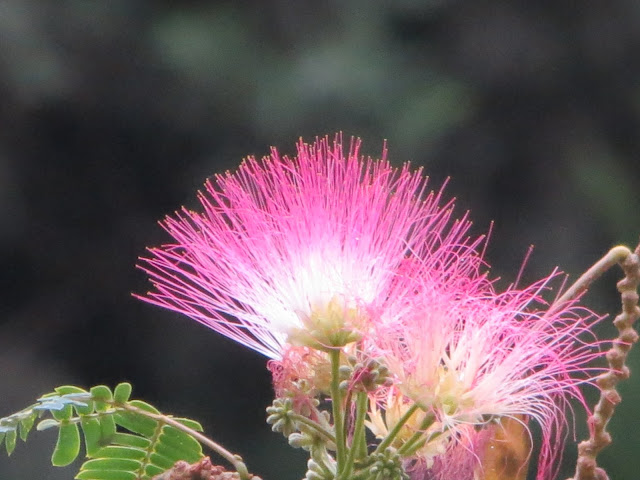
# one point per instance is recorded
(121, 441)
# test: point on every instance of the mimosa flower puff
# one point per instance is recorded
(330, 251)
(304, 250)
(472, 360)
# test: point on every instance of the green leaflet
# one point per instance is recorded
(121, 452)
(67, 446)
(102, 396)
(92, 431)
(120, 444)
(63, 414)
(10, 441)
(136, 423)
(192, 424)
(131, 440)
(122, 464)
(25, 427)
(107, 428)
(151, 471)
(121, 393)
(107, 475)
(46, 424)
(161, 461)
(183, 445)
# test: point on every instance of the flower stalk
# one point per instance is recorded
(358, 448)
(419, 438)
(391, 436)
(337, 407)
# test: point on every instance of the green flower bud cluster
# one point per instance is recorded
(279, 416)
(387, 465)
(364, 376)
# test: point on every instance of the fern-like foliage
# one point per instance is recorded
(124, 439)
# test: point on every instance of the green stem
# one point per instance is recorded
(336, 404)
(411, 445)
(359, 435)
(359, 439)
(391, 436)
(310, 423)
(234, 460)
(412, 448)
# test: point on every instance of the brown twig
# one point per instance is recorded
(615, 255)
(599, 438)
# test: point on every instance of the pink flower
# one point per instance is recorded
(472, 357)
(304, 250)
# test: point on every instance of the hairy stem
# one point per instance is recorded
(588, 450)
(234, 460)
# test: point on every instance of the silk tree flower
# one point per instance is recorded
(304, 251)
(475, 359)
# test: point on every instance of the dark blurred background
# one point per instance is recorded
(112, 114)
